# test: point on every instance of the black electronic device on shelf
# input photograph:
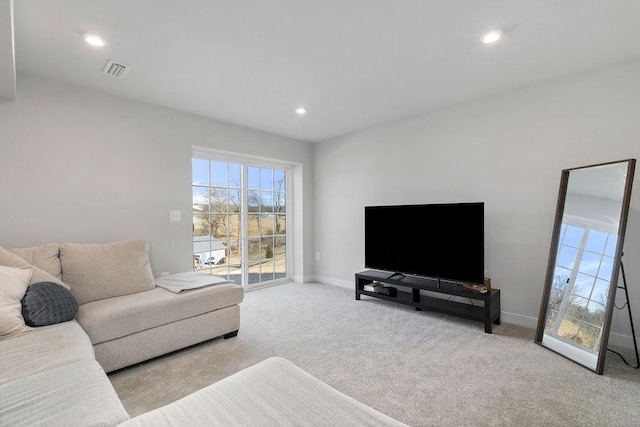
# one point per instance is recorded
(387, 290)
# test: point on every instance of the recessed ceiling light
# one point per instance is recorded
(301, 111)
(93, 39)
(492, 36)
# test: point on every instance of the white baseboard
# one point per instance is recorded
(621, 340)
(303, 279)
(335, 282)
(519, 319)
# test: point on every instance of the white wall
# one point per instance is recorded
(508, 151)
(7, 59)
(81, 166)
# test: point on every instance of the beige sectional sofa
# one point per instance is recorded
(50, 377)
(56, 375)
(127, 317)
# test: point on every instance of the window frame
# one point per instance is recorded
(247, 161)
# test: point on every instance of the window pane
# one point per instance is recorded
(267, 224)
(568, 328)
(219, 199)
(219, 174)
(281, 225)
(551, 320)
(235, 273)
(567, 257)
(200, 199)
(266, 244)
(266, 201)
(590, 263)
(209, 251)
(583, 285)
(266, 179)
(222, 272)
(610, 249)
(267, 270)
(281, 267)
(556, 296)
(235, 175)
(595, 313)
(606, 268)
(577, 307)
(234, 252)
(600, 292)
(235, 227)
(219, 226)
(280, 248)
(561, 277)
(201, 225)
(279, 182)
(573, 236)
(254, 225)
(596, 241)
(253, 200)
(199, 172)
(254, 250)
(588, 336)
(253, 175)
(254, 274)
(280, 203)
(235, 200)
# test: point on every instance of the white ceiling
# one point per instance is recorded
(353, 63)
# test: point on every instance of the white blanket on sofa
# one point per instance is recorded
(183, 282)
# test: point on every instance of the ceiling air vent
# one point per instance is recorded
(116, 69)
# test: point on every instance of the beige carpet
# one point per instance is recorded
(418, 367)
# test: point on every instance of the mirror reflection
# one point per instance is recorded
(584, 261)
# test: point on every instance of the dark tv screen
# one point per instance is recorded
(444, 241)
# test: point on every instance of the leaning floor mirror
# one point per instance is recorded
(584, 261)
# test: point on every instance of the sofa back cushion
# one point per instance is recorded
(103, 271)
(45, 257)
(10, 259)
(13, 285)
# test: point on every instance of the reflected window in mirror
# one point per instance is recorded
(590, 247)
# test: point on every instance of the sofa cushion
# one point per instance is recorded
(13, 285)
(46, 303)
(42, 349)
(113, 318)
(78, 394)
(45, 257)
(95, 272)
(10, 259)
(272, 392)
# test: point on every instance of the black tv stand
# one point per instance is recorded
(395, 274)
(489, 314)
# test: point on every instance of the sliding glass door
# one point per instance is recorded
(240, 221)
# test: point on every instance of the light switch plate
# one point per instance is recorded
(175, 216)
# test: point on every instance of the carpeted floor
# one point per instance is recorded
(420, 368)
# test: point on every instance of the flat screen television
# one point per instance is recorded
(444, 241)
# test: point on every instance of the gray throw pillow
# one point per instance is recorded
(47, 303)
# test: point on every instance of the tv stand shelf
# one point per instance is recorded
(488, 314)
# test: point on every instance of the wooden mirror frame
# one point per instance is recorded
(551, 266)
